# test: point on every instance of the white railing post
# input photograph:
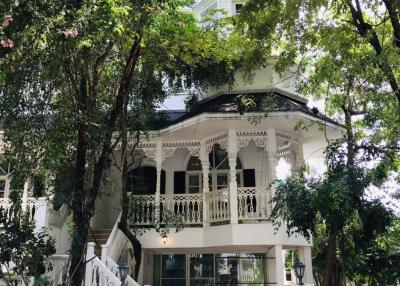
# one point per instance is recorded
(104, 253)
(232, 157)
(89, 263)
(272, 162)
(40, 213)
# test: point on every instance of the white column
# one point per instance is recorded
(272, 158)
(272, 162)
(205, 167)
(158, 160)
(305, 256)
(89, 263)
(279, 265)
(232, 157)
(40, 213)
(298, 159)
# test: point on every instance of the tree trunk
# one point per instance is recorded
(329, 261)
(123, 225)
(83, 203)
(78, 195)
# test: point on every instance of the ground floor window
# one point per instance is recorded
(209, 269)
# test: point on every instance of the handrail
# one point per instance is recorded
(113, 241)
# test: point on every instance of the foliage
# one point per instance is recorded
(21, 244)
(344, 52)
(333, 206)
(68, 67)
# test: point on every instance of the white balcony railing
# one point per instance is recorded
(28, 206)
(188, 206)
(218, 205)
(252, 204)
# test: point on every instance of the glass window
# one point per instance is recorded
(173, 270)
(194, 183)
(238, 7)
(219, 171)
(2, 188)
(222, 180)
(201, 269)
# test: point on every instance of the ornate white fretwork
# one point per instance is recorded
(150, 152)
(258, 136)
(167, 152)
(194, 151)
(221, 139)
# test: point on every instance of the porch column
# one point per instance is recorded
(305, 256)
(158, 160)
(275, 267)
(272, 162)
(297, 157)
(40, 214)
(232, 157)
(205, 167)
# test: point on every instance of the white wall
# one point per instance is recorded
(238, 235)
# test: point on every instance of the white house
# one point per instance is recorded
(213, 167)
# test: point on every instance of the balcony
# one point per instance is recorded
(211, 208)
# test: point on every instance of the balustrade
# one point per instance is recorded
(218, 205)
(29, 207)
(252, 204)
(188, 206)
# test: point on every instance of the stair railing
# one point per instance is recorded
(97, 273)
(111, 251)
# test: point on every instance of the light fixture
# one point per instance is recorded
(164, 240)
(299, 270)
(123, 272)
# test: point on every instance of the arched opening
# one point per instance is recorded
(143, 180)
(219, 174)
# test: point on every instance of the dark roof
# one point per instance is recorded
(232, 103)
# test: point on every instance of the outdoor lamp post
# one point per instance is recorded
(123, 272)
(299, 270)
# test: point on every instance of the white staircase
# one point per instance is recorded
(104, 271)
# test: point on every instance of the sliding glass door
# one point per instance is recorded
(210, 269)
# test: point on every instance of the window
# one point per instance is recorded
(2, 188)
(218, 175)
(210, 269)
(5, 170)
(173, 270)
(238, 8)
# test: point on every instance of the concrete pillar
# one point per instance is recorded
(205, 167)
(40, 214)
(275, 266)
(279, 265)
(232, 158)
(305, 256)
(272, 162)
(158, 160)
